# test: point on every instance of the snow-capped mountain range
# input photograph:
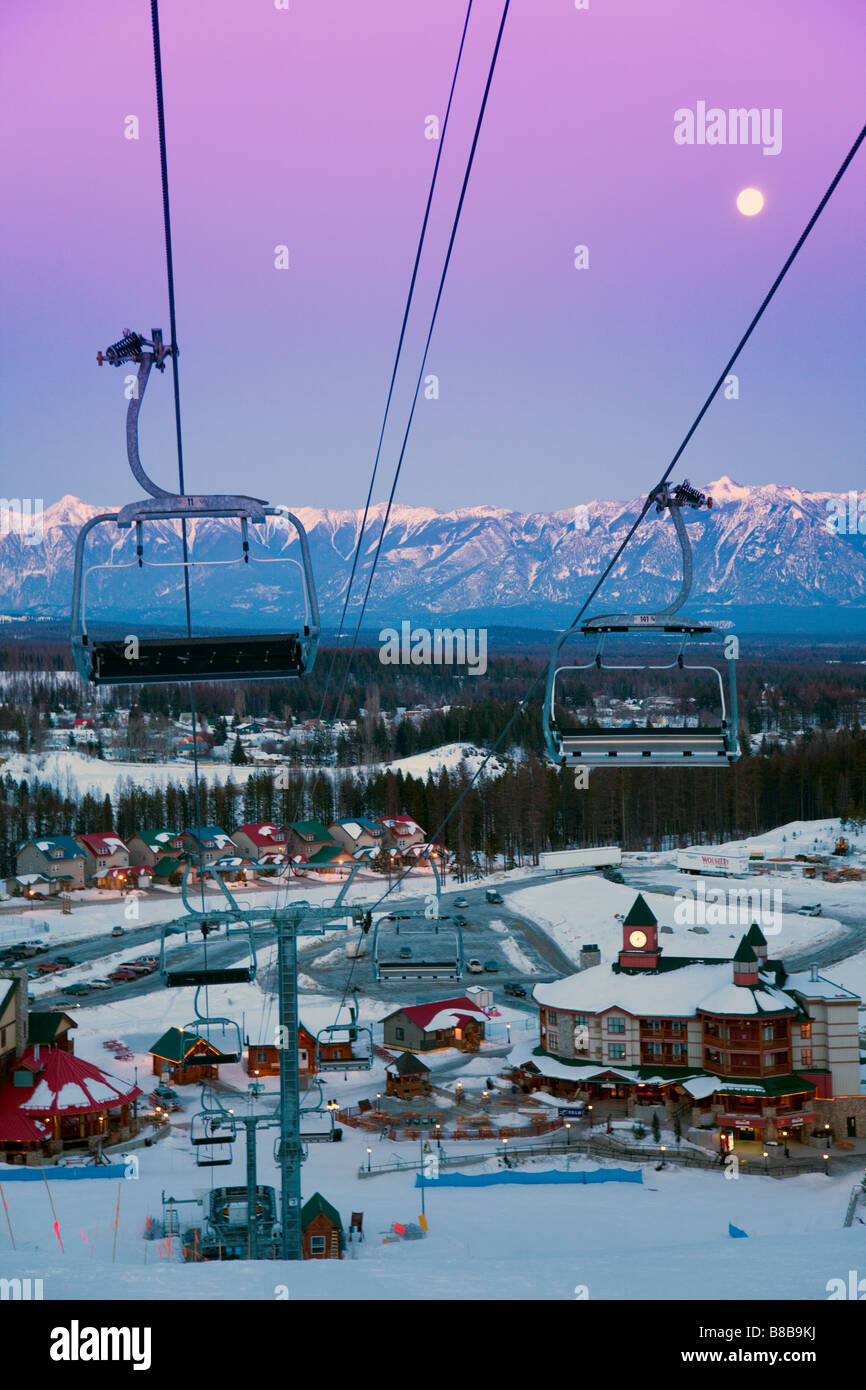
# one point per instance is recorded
(766, 546)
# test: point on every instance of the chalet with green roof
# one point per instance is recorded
(307, 837)
(739, 1047)
(183, 1057)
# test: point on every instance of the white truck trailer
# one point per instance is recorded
(571, 860)
(701, 860)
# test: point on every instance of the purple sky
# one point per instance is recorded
(307, 128)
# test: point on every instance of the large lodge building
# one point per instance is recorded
(740, 1048)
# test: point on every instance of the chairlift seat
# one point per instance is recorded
(218, 658)
(645, 747)
(239, 975)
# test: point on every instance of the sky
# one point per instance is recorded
(305, 127)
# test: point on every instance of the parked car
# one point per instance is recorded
(77, 989)
(474, 967)
(144, 960)
(140, 969)
(100, 984)
(34, 975)
(491, 967)
(809, 910)
(48, 968)
(516, 991)
(117, 931)
(121, 974)
(65, 960)
(163, 1092)
(405, 952)
(460, 921)
(492, 896)
(461, 902)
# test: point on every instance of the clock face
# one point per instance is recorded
(637, 938)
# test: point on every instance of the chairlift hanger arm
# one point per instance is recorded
(133, 347)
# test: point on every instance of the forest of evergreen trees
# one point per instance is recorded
(530, 807)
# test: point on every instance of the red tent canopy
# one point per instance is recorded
(64, 1085)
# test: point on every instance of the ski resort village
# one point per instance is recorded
(534, 1083)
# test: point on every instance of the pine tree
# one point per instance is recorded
(657, 1129)
(678, 1128)
(237, 757)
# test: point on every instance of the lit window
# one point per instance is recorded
(616, 1051)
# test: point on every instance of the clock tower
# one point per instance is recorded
(640, 948)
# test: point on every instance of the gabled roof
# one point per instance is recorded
(47, 1027)
(7, 994)
(407, 1064)
(640, 915)
(165, 867)
(327, 854)
(310, 829)
(103, 843)
(264, 833)
(158, 839)
(358, 825)
(317, 1206)
(442, 1013)
(401, 825)
(203, 833)
(175, 1046)
(47, 843)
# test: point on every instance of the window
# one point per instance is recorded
(806, 1057)
(553, 1042)
(677, 1025)
(652, 1023)
(616, 1051)
(679, 1049)
(262, 1056)
(317, 1245)
(398, 1033)
(768, 1032)
(805, 1030)
(654, 1049)
(552, 1019)
(581, 1021)
(616, 1025)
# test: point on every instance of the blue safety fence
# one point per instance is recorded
(509, 1176)
(107, 1170)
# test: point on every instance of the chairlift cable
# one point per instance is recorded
(451, 240)
(646, 506)
(169, 269)
(361, 533)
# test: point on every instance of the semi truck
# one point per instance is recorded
(581, 860)
(714, 862)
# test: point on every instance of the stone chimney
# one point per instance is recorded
(745, 966)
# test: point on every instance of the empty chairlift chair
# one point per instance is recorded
(213, 1131)
(144, 654)
(344, 1046)
(713, 745)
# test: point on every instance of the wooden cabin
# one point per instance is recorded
(263, 1059)
(443, 1023)
(407, 1077)
(186, 1057)
(322, 1230)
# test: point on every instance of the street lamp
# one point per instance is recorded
(568, 1132)
(369, 1152)
(826, 1162)
(766, 1156)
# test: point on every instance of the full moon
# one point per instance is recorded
(750, 201)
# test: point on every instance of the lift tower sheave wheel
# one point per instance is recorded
(666, 746)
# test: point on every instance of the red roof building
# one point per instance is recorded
(52, 1097)
(443, 1023)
